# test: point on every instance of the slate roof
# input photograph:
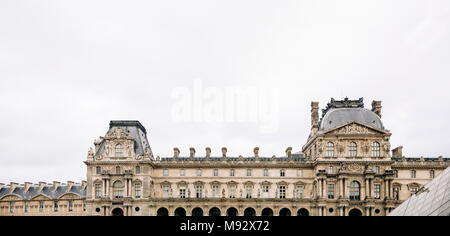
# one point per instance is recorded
(135, 129)
(47, 191)
(342, 116)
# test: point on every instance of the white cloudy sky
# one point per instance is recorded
(69, 67)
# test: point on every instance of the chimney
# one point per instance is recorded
(42, 185)
(13, 186)
(397, 152)
(224, 152)
(69, 185)
(56, 184)
(176, 152)
(191, 152)
(27, 186)
(289, 152)
(314, 117)
(376, 107)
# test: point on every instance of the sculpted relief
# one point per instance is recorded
(353, 129)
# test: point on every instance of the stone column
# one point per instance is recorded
(320, 188)
(367, 192)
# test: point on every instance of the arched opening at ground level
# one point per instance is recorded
(197, 211)
(249, 212)
(267, 212)
(162, 212)
(214, 211)
(117, 212)
(180, 212)
(302, 212)
(285, 212)
(355, 212)
(232, 211)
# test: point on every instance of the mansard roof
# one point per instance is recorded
(135, 129)
(47, 191)
(342, 112)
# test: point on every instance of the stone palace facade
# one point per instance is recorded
(346, 168)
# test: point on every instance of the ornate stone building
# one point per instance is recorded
(345, 168)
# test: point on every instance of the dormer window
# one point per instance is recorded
(119, 150)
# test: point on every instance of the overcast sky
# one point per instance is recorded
(69, 67)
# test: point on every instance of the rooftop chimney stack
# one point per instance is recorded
(256, 152)
(376, 107)
(13, 186)
(27, 186)
(69, 185)
(42, 185)
(224, 152)
(314, 117)
(83, 184)
(289, 152)
(56, 184)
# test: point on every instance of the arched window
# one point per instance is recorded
(355, 191)
(119, 150)
(118, 170)
(118, 189)
(353, 149)
(376, 149)
(330, 149)
(98, 170)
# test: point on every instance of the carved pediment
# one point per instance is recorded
(354, 128)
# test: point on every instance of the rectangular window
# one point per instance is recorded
(232, 172)
(26, 206)
(182, 192)
(215, 189)
(266, 172)
(137, 190)
(55, 206)
(138, 170)
(11, 207)
(249, 172)
(41, 206)
(282, 192)
(98, 191)
(232, 190)
(376, 169)
(199, 172)
(330, 191)
(165, 172)
(299, 173)
(377, 191)
(182, 172)
(70, 205)
(198, 191)
(282, 173)
(165, 191)
(216, 172)
(248, 191)
(413, 174)
(299, 191)
(266, 191)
